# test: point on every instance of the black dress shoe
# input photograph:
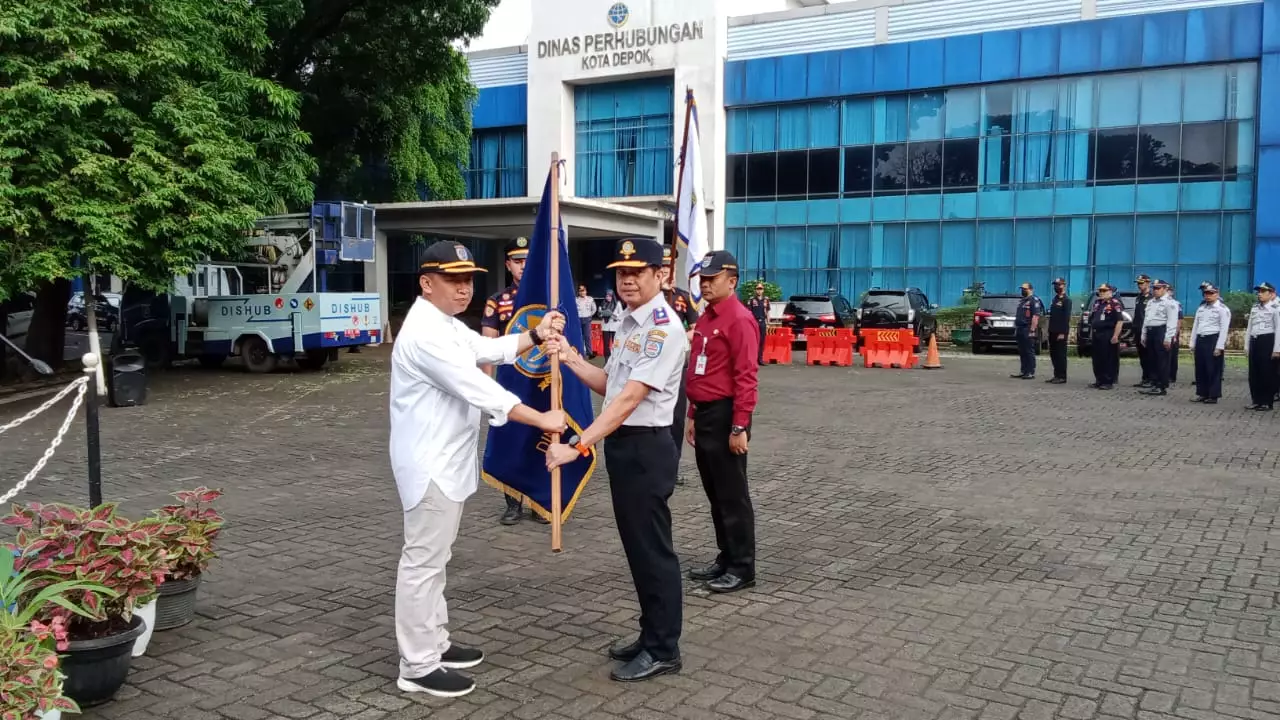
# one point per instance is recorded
(625, 653)
(1156, 391)
(729, 582)
(710, 572)
(645, 666)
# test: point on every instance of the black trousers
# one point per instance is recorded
(764, 329)
(1175, 349)
(678, 420)
(642, 475)
(608, 343)
(724, 478)
(1144, 356)
(1157, 356)
(1208, 368)
(1026, 350)
(1058, 355)
(1262, 372)
(1105, 357)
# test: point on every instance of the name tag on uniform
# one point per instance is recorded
(700, 365)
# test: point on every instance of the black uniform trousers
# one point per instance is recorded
(1144, 357)
(764, 330)
(1208, 367)
(1157, 356)
(1262, 372)
(678, 419)
(1058, 355)
(1105, 356)
(724, 478)
(1175, 349)
(642, 475)
(1026, 349)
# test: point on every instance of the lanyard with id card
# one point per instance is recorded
(700, 363)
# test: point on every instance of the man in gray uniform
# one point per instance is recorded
(640, 383)
(1262, 348)
(1159, 326)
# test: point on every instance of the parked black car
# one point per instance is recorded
(993, 324)
(817, 311)
(1128, 342)
(906, 309)
(107, 311)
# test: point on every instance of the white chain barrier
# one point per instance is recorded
(80, 385)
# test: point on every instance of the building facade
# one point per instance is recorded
(933, 144)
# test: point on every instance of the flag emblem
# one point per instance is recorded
(534, 363)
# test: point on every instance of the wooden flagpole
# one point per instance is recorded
(684, 150)
(556, 401)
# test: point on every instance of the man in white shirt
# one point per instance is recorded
(438, 395)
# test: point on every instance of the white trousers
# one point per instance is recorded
(429, 531)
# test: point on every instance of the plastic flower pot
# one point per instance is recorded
(148, 614)
(176, 605)
(96, 668)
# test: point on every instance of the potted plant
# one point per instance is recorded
(189, 550)
(31, 684)
(58, 543)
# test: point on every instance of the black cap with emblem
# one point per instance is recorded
(1264, 287)
(718, 261)
(518, 249)
(1142, 279)
(637, 253)
(1208, 288)
(448, 258)
(1160, 284)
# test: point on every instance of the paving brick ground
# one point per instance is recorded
(948, 544)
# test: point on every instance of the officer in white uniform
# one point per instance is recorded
(1208, 343)
(438, 395)
(640, 383)
(1262, 345)
(1159, 326)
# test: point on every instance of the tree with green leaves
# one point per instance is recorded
(386, 95)
(135, 139)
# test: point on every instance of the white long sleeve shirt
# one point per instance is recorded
(1212, 319)
(1264, 319)
(438, 394)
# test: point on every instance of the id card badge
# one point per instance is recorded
(700, 365)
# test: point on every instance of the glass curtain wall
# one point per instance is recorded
(498, 164)
(624, 138)
(1092, 178)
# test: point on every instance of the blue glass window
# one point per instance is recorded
(624, 139)
(498, 165)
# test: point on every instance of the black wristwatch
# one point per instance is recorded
(534, 336)
(737, 430)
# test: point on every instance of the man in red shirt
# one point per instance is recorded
(721, 384)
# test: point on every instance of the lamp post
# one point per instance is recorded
(91, 361)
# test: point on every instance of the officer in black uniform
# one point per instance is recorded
(1030, 308)
(1139, 316)
(682, 303)
(498, 310)
(758, 304)
(1106, 320)
(1059, 330)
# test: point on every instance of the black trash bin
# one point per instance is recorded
(127, 379)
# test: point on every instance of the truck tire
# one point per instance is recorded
(313, 360)
(258, 358)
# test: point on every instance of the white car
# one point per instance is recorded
(21, 307)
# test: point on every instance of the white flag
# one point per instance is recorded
(691, 217)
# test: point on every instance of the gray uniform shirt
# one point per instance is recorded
(1263, 320)
(1162, 311)
(650, 348)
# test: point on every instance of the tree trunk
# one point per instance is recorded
(47, 337)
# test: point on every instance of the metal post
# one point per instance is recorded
(90, 361)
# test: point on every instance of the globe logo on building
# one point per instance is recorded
(618, 15)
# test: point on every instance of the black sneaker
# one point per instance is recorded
(441, 683)
(460, 658)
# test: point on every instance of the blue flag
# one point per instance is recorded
(515, 454)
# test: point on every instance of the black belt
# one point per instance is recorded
(633, 430)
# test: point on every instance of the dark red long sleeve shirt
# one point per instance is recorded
(728, 334)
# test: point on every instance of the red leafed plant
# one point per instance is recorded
(58, 543)
(191, 549)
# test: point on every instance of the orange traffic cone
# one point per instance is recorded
(932, 361)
